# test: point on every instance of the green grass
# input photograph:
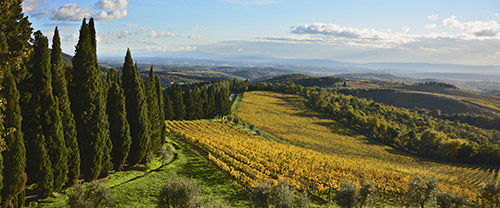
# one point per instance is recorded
(139, 187)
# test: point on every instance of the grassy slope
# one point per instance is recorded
(286, 117)
(138, 188)
(490, 102)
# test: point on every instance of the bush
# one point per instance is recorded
(251, 126)
(347, 195)
(90, 195)
(179, 192)
(236, 120)
(420, 192)
(261, 195)
(167, 152)
(367, 194)
(301, 200)
(449, 200)
(282, 195)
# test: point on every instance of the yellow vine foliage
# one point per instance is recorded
(321, 153)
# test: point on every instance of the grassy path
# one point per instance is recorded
(139, 188)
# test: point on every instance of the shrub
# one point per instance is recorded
(91, 194)
(347, 195)
(251, 126)
(261, 195)
(301, 200)
(449, 200)
(282, 195)
(236, 120)
(179, 192)
(420, 192)
(367, 194)
(167, 152)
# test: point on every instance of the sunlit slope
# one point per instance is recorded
(287, 117)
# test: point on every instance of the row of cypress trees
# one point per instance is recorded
(60, 123)
(197, 102)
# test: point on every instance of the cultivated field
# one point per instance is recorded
(341, 150)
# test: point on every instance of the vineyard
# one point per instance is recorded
(340, 149)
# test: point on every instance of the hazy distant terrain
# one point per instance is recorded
(482, 79)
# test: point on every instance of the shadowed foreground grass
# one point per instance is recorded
(140, 187)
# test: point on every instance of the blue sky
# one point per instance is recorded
(444, 31)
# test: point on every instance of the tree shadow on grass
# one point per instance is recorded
(217, 182)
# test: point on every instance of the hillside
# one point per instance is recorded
(363, 159)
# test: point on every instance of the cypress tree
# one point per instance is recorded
(15, 33)
(209, 102)
(92, 35)
(14, 177)
(161, 106)
(119, 129)
(60, 90)
(169, 109)
(197, 109)
(137, 111)
(177, 102)
(188, 102)
(223, 103)
(38, 91)
(89, 107)
(51, 118)
(4, 50)
(156, 123)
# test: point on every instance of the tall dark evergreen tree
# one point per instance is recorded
(188, 103)
(137, 111)
(178, 102)
(209, 102)
(14, 177)
(223, 104)
(119, 129)
(35, 112)
(156, 123)
(4, 50)
(89, 107)
(93, 40)
(60, 90)
(161, 105)
(197, 109)
(51, 117)
(169, 108)
(15, 33)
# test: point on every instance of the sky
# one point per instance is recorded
(360, 31)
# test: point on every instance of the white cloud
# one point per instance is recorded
(111, 15)
(159, 46)
(31, 5)
(430, 26)
(154, 34)
(112, 4)
(197, 27)
(432, 17)
(120, 34)
(251, 2)
(474, 29)
(406, 28)
(115, 9)
(337, 34)
(73, 37)
(108, 10)
(71, 12)
(141, 29)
